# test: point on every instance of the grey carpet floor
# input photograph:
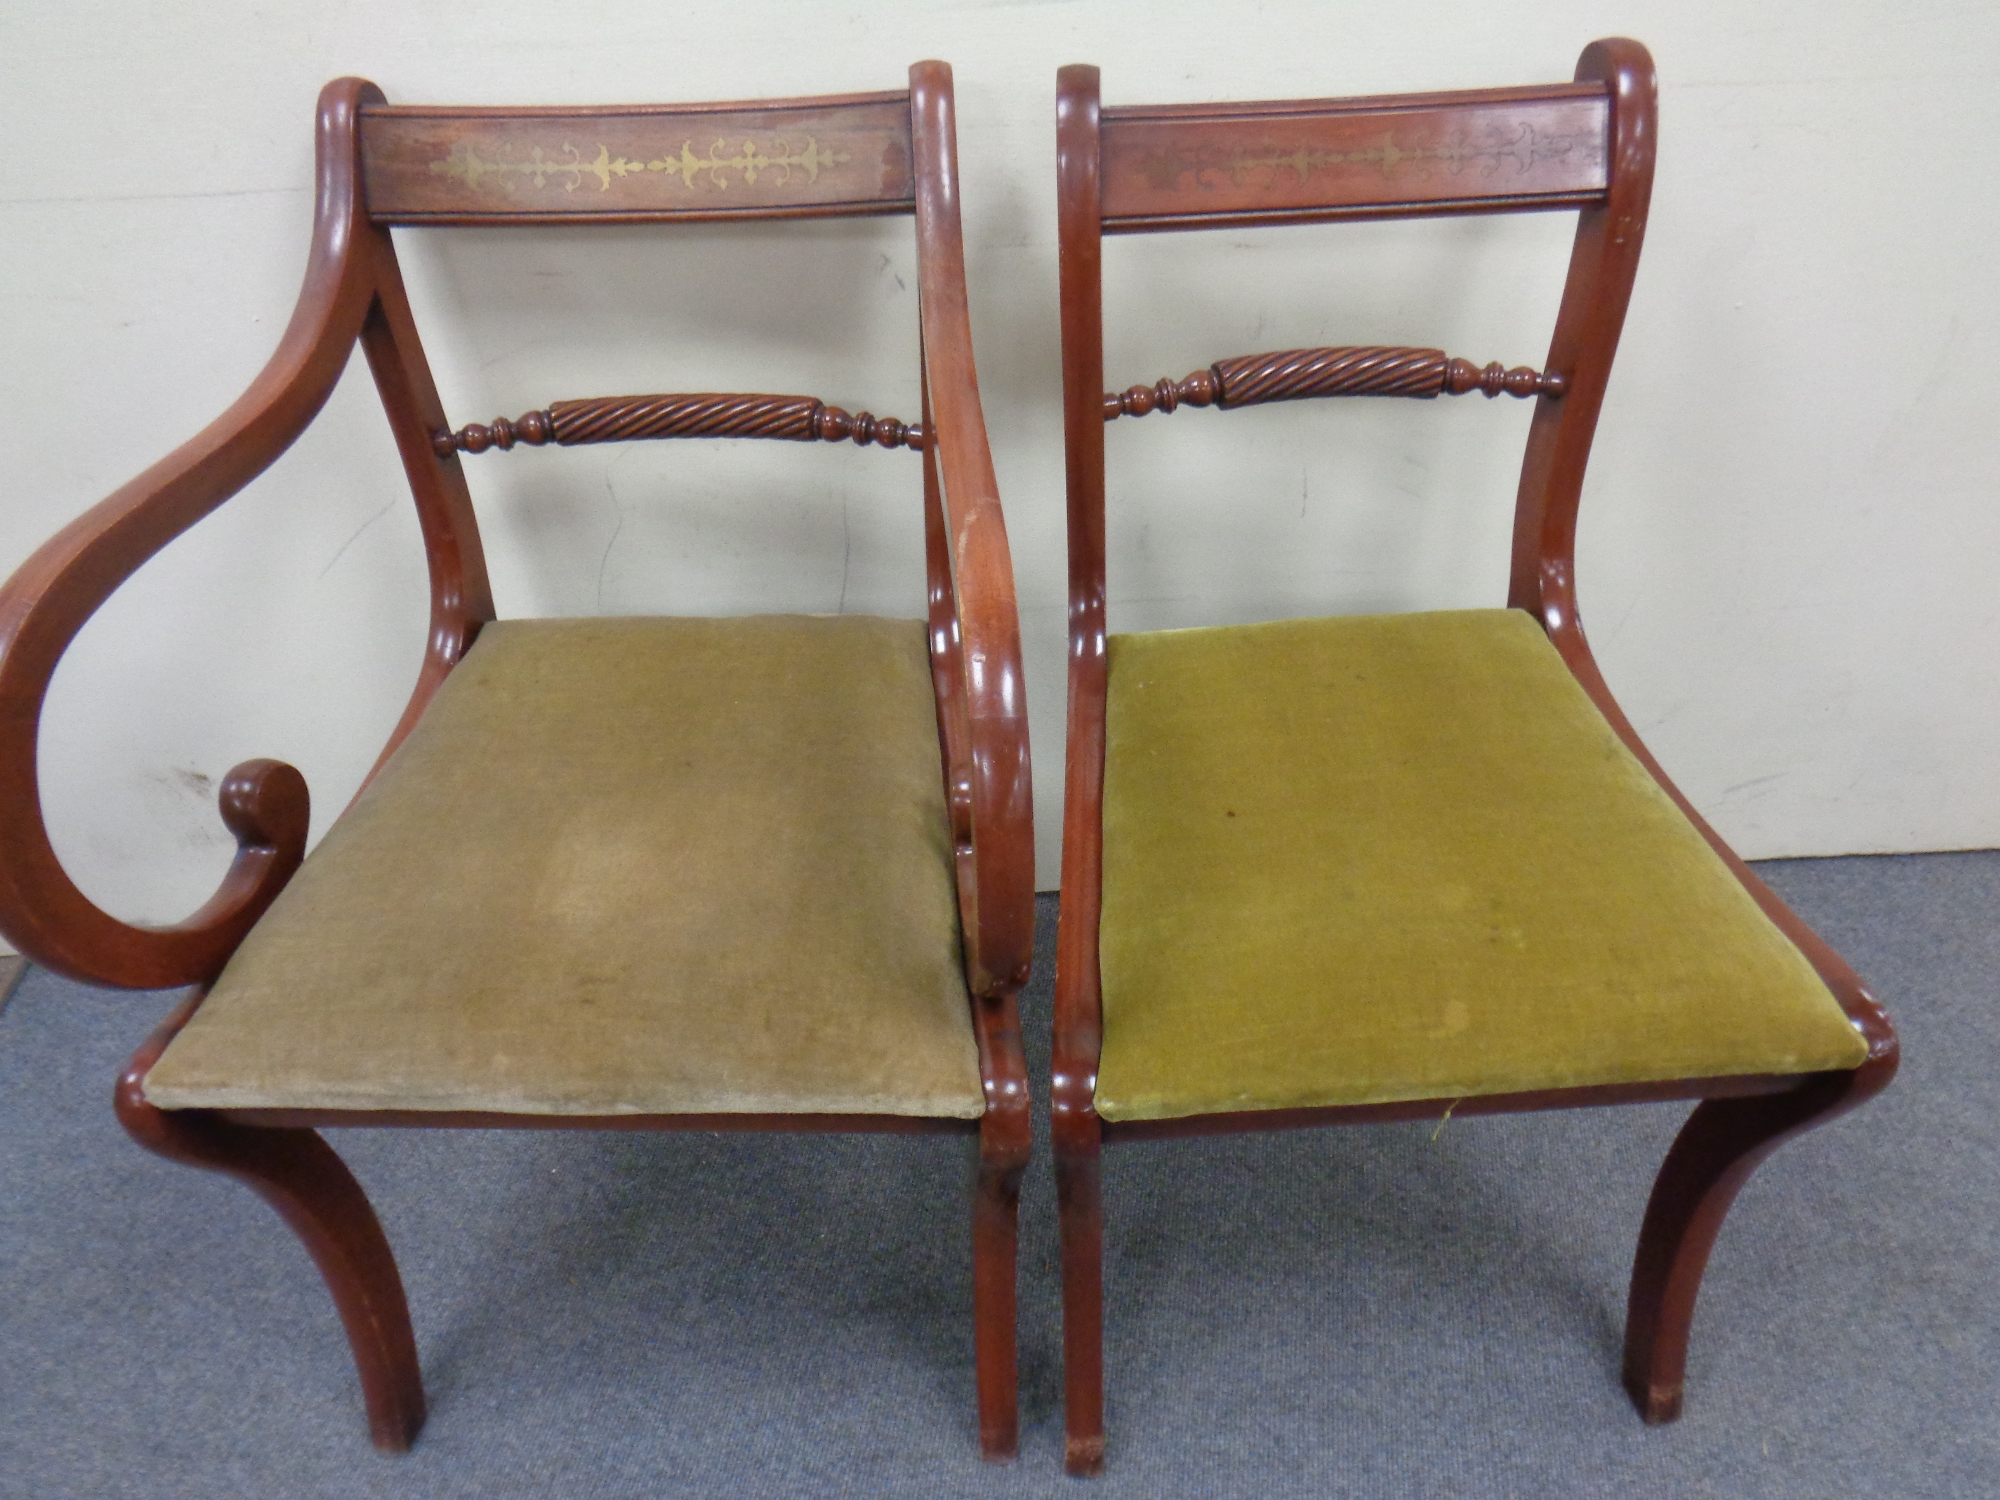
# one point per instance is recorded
(1367, 1312)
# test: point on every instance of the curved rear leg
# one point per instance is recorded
(1005, 1142)
(1080, 1217)
(299, 1175)
(995, 1233)
(1718, 1148)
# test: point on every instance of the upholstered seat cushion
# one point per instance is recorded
(1394, 857)
(623, 866)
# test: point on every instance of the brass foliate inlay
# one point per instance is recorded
(1525, 149)
(573, 169)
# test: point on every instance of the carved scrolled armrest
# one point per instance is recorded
(997, 891)
(43, 606)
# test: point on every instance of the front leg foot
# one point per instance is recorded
(299, 1175)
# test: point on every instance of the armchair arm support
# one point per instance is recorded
(998, 898)
(61, 586)
(1603, 265)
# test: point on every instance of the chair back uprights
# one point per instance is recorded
(826, 157)
(1141, 169)
(1586, 145)
(381, 165)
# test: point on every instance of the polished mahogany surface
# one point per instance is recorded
(1301, 374)
(795, 158)
(619, 419)
(1587, 145)
(1211, 166)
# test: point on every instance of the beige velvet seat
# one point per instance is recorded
(622, 866)
(1353, 861)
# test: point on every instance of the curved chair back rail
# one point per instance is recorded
(834, 156)
(1586, 145)
(380, 165)
(1297, 161)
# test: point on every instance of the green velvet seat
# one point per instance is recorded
(652, 866)
(1376, 858)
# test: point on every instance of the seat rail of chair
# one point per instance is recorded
(802, 1123)
(800, 158)
(1444, 1110)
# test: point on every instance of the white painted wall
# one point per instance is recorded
(1790, 537)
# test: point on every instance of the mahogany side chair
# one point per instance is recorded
(1388, 867)
(763, 873)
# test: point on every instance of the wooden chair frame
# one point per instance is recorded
(1740, 1120)
(370, 176)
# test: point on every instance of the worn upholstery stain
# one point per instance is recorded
(1457, 1016)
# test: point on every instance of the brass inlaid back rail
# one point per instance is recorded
(1296, 374)
(613, 419)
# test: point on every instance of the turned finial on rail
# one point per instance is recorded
(534, 428)
(1461, 376)
(832, 425)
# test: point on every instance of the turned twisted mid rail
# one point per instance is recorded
(1246, 380)
(1299, 374)
(703, 414)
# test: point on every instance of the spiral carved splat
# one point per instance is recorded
(612, 419)
(1298, 374)
(1295, 374)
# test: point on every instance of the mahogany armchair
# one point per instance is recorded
(1391, 867)
(768, 873)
